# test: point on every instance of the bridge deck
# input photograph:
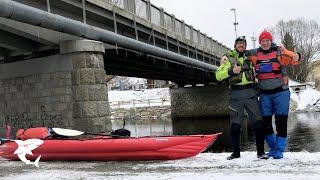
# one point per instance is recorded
(137, 19)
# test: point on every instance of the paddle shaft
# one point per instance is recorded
(117, 133)
(97, 134)
(70, 132)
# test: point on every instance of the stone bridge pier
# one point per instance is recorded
(203, 110)
(64, 90)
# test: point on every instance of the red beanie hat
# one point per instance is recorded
(265, 35)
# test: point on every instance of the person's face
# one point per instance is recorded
(265, 44)
(241, 46)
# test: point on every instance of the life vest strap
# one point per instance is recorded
(269, 76)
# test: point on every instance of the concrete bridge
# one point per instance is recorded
(54, 56)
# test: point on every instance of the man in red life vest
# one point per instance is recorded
(270, 61)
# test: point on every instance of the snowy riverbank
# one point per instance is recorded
(298, 165)
(307, 100)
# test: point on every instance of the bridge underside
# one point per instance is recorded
(129, 63)
(20, 41)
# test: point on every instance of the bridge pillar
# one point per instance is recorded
(91, 109)
(200, 102)
(63, 90)
(203, 110)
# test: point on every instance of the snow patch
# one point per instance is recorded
(294, 165)
(139, 95)
(143, 98)
(307, 100)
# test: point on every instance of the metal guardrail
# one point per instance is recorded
(157, 16)
(144, 9)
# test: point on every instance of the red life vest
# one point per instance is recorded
(33, 133)
(268, 65)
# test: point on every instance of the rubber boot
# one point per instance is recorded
(260, 147)
(258, 131)
(234, 155)
(281, 146)
(271, 141)
(235, 137)
(281, 142)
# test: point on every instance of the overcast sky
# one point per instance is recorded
(214, 18)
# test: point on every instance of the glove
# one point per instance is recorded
(300, 57)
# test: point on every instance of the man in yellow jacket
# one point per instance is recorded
(239, 72)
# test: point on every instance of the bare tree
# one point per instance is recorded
(305, 35)
(287, 41)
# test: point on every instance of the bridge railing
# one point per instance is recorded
(145, 22)
(145, 10)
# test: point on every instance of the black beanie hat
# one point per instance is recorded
(240, 38)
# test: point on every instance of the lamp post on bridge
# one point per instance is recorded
(235, 21)
(253, 39)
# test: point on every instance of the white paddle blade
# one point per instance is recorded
(67, 132)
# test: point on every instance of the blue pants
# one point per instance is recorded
(275, 104)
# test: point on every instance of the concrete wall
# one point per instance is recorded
(65, 90)
(36, 92)
(200, 102)
(142, 113)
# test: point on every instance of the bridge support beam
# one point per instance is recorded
(64, 90)
(200, 102)
(203, 110)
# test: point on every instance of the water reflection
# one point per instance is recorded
(303, 131)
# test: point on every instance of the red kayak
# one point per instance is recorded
(102, 148)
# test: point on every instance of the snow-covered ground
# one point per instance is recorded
(298, 165)
(139, 95)
(307, 100)
(147, 97)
